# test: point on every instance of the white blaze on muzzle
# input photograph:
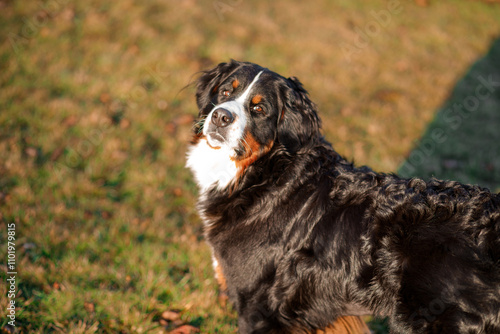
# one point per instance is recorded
(235, 130)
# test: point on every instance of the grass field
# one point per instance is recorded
(95, 117)
(463, 141)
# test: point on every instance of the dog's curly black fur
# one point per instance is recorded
(303, 236)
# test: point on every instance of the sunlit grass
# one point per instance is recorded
(93, 139)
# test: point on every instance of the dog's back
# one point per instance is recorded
(303, 237)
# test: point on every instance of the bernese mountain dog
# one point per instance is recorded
(301, 237)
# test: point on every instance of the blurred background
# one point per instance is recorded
(96, 109)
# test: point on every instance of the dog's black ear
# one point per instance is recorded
(208, 84)
(299, 123)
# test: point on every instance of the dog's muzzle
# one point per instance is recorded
(220, 129)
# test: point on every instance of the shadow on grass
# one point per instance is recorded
(463, 141)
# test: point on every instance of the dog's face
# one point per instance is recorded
(237, 110)
(244, 112)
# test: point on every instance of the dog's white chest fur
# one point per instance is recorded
(211, 167)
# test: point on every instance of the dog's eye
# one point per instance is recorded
(226, 93)
(257, 109)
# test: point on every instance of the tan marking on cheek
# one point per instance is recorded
(236, 83)
(253, 151)
(216, 88)
(212, 147)
(219, 276)
(346, 325)
(256, 99)
(343, 325)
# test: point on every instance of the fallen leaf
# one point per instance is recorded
(171, 128)
(124, 123)
(57, 153)
(162, 105)
(185, 329)
(171, 315)
(105, 98)
(68, 14)
(178, 192)
(87, 214)
(422, 3)
(387, 95)
(106, 214)
(134, 49)
(89, 307)
(70, 120)
(31, 151)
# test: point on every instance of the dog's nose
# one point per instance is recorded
(222, 117)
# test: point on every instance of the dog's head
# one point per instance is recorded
(245, 111)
